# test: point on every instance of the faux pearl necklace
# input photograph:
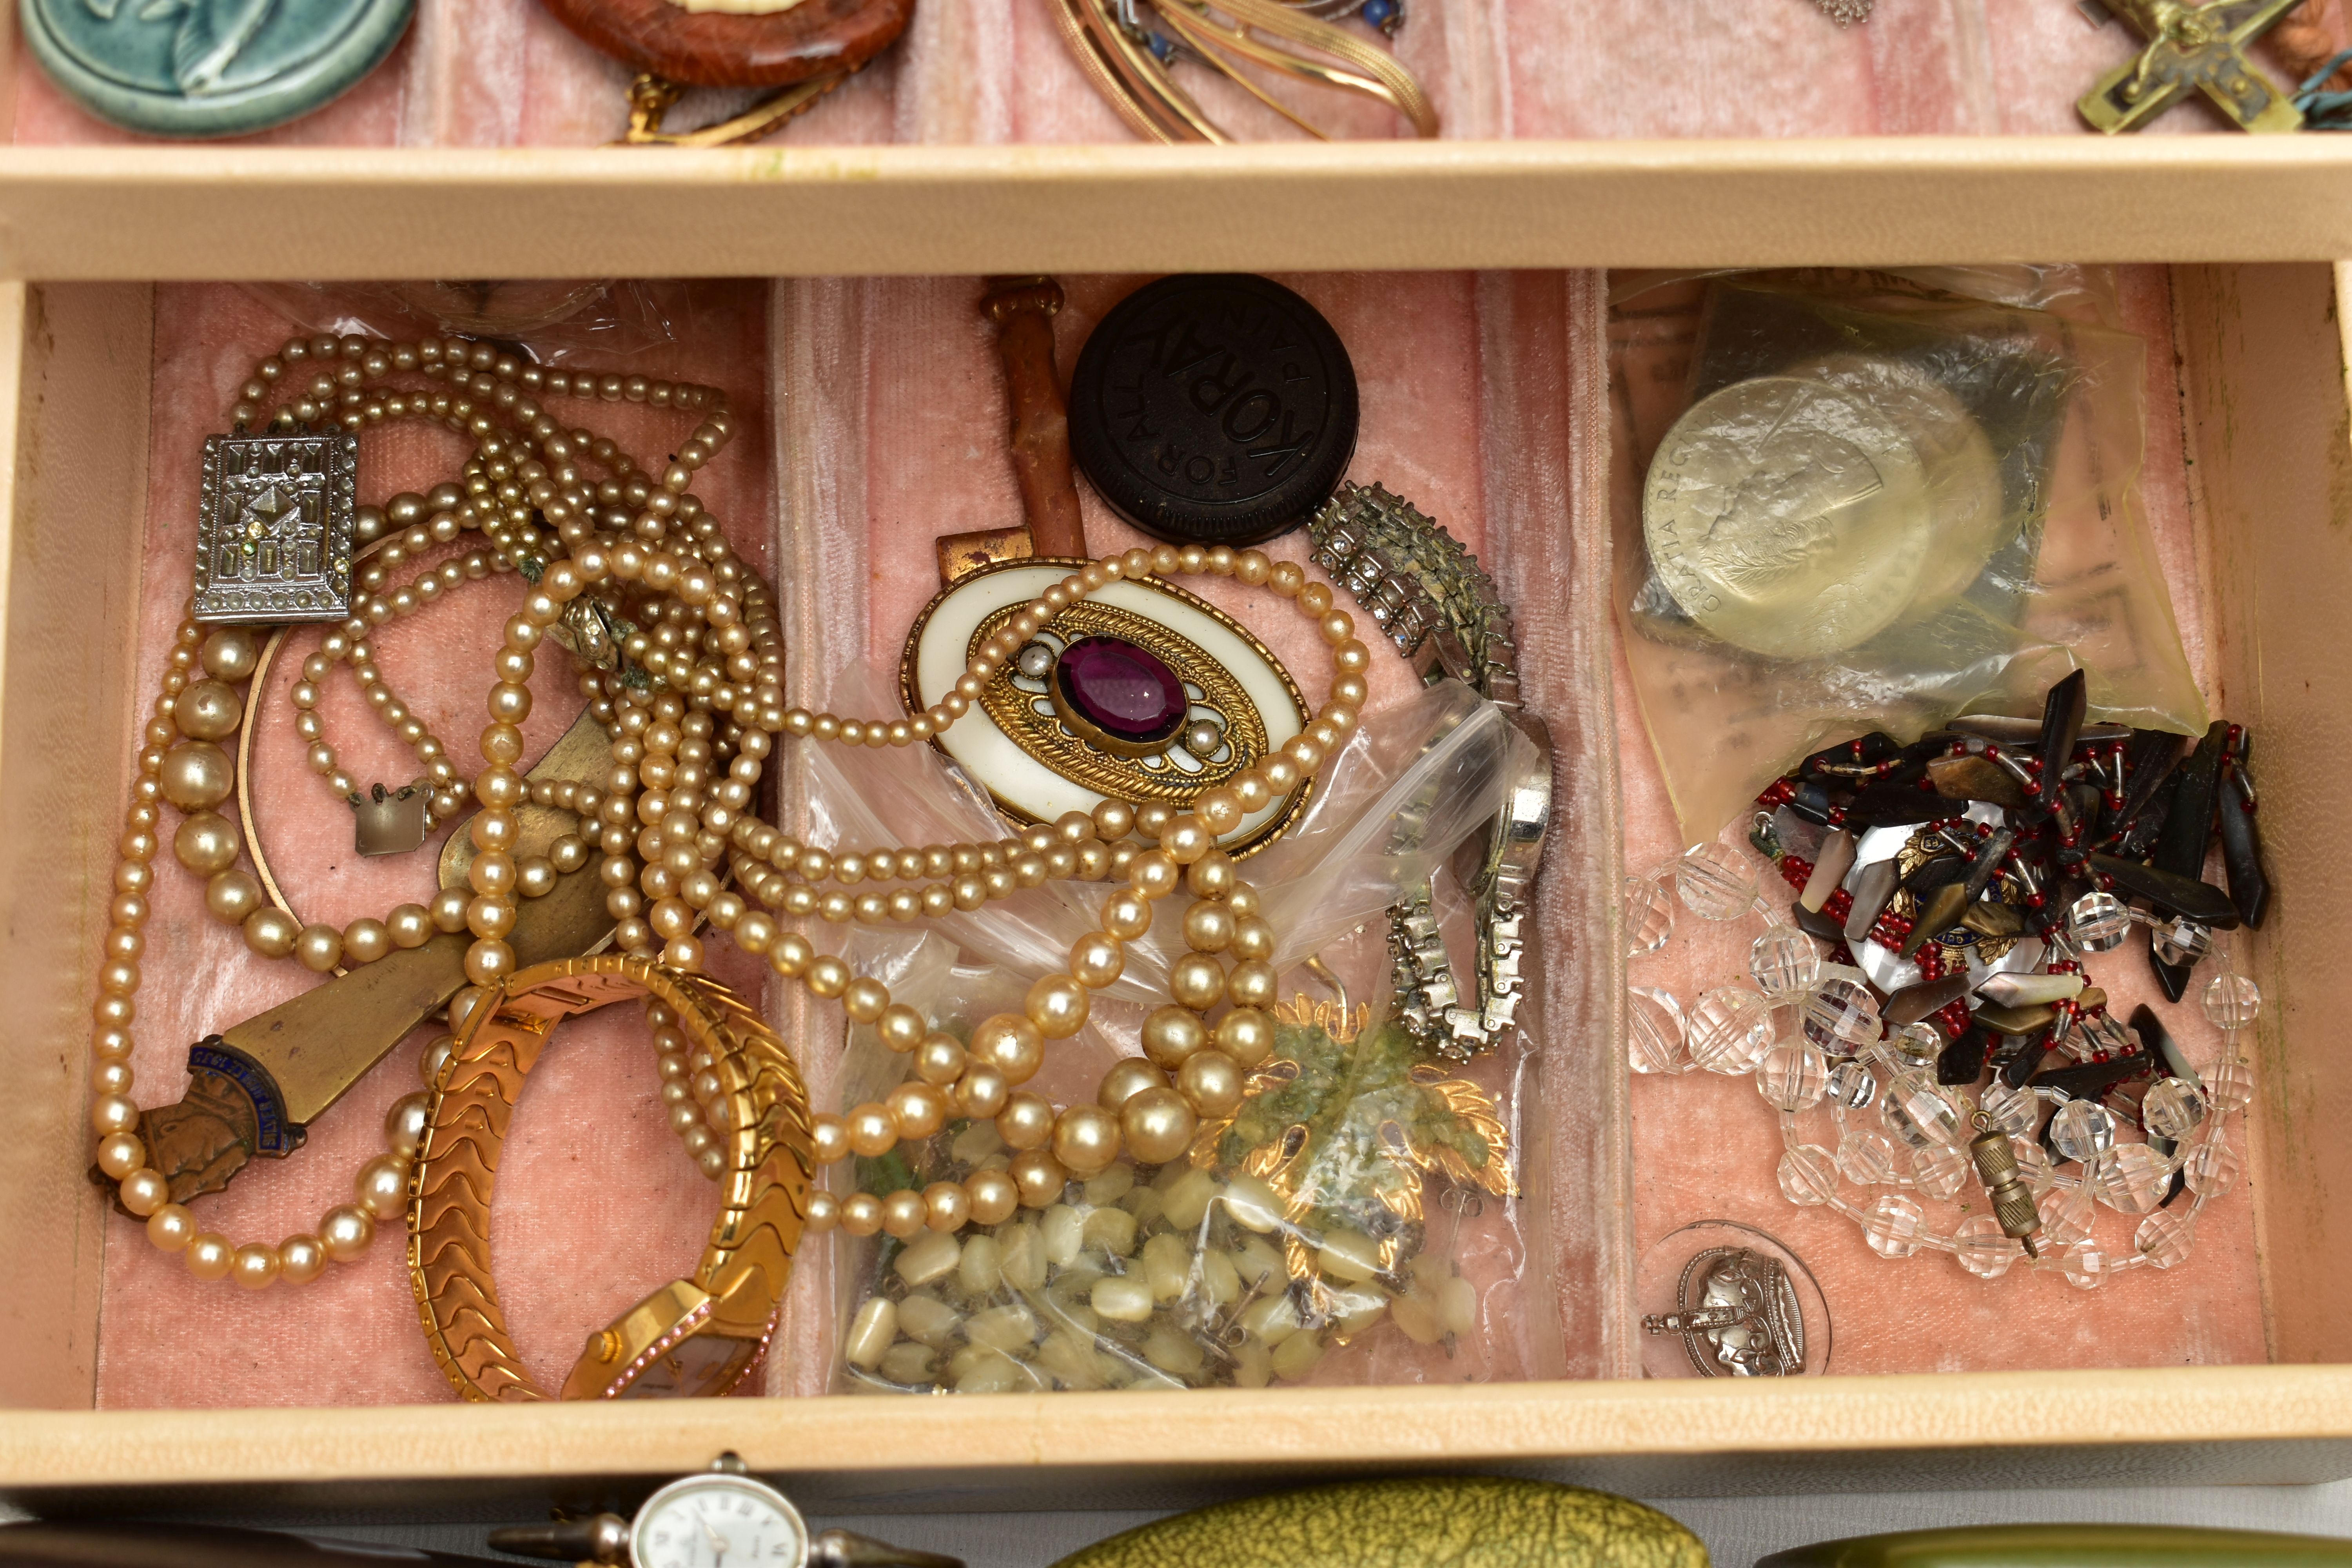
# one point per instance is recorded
(685, 759)
(424, 521)
(662, 892)
(524, 460)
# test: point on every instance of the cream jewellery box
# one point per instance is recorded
(1470, 279)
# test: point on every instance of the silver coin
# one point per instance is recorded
(1788, 517)
(1966, 517)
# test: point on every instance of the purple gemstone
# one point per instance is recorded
(1121, 689)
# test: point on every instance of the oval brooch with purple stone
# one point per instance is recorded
(1144, 692)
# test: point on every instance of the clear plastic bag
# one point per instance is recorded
(1202, 1270)
(1393, 1268)
(1900, 502)
(565, 319)
(1436, 762)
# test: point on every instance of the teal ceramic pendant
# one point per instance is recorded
(209, 67)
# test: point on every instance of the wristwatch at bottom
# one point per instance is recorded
(719, 1517)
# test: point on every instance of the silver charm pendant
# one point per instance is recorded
(1737, 1316)
(273, 528)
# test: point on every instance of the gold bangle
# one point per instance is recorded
(698, 1336)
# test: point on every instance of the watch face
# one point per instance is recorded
(718, 1521)
(699, 1366)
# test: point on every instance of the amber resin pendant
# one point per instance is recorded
(273, 528)
(1142, 692)
(802, 48)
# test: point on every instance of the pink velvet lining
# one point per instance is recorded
(871, 420)
(894, 401)
(597, 1203)
(504, 73)
(1705, 1147)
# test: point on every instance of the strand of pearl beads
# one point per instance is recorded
(178, 767)
(180, 764)
(450, 788)
(1191, 1069)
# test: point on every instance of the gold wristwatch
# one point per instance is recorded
(696, 1336)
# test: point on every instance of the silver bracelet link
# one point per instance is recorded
(1441, 611)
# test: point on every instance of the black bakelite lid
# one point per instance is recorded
(1213, 409)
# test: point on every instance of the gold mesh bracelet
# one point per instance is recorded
(698, 1336)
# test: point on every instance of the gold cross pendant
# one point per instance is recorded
(2193, 46)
